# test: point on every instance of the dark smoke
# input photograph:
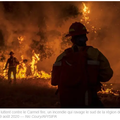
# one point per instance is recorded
(21, 16)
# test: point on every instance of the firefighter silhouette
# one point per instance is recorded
(79, 71)
(13, 62)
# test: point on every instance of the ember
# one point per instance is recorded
(109, 90)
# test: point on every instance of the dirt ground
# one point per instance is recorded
(37, 93)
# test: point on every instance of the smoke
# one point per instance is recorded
(44, 25)
(105, 15)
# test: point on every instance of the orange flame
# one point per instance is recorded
(86, 13)
(108, 91)
(21, 39)
(22, 68)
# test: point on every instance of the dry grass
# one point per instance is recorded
(37, 93)
(31, 93)
(110, 100)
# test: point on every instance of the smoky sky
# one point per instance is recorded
(32, 18)
(44, 25)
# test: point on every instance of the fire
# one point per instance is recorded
(35, 72)
(108, 91)
(20, 39)
(12, 75)
(86, 10)
(35, 59)
(86, 13)
(21, 68)
(45, 75)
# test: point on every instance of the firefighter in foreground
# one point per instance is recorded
(79, 70)
(12, 61)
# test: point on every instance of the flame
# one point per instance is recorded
(45, 75)
(35, 59)
(22, 69)
(108, 91)
(86, 13)
(21, 39)
(86, 9)
(12, 76)
(34, 70)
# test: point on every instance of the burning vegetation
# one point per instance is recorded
(38, 37)
(30, 66)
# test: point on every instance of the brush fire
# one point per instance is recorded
(36, 52)
(22, 67)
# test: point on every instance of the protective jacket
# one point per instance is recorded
(98, 69)
(105, 71)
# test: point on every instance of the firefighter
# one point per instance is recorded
(97, 70)
(12, 61)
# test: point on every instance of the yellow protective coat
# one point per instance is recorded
(96, 74)
(105, 71)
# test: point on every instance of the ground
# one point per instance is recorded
(37, 93)
(31, 93)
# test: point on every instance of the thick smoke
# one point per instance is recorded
(41, 23)
(44, 25)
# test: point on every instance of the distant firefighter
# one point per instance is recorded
(13, 62)
(79, 71)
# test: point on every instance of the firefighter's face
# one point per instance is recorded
(12, 55)
(80, 39)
